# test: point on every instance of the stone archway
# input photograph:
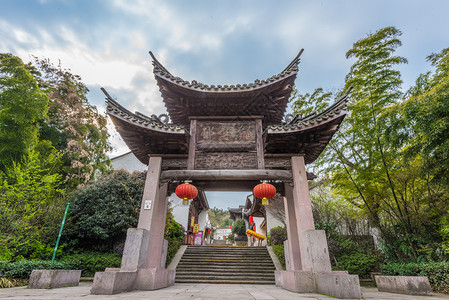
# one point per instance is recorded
(227, 138)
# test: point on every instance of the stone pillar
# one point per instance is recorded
(293, 251)
(143, 261)
(301, 196)
(309, 268)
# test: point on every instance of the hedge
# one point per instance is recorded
(92, 262)
(89, 263)
(437, 272)
(22, 269)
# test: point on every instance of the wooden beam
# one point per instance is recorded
(232, 118)
(259, 145)
(220, 175)
(228, 186)
(192, 145)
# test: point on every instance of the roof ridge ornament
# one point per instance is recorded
(295, 61)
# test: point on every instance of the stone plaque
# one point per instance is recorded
(226, 136)
(226, 160)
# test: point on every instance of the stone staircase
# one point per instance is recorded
(225, 264)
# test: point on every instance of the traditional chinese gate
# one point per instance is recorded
(226, 138)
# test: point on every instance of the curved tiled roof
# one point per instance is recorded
(267, 98)
(309, 135)
(335, 110)
(161, 71)
(113, 108)
(146, 135)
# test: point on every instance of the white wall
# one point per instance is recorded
(219, 233)
(259, 221)
(203, 220)
(272, 222)
(180, 212)
(128, 162)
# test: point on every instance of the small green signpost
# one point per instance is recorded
(60, 232)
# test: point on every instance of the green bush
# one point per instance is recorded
(22, 269)
(105, 209)
(174, 234)
(278, 235)
(239, 227)
(357, 262)
(92, 262)
(437, 272)
(279, 251)
(89, 263)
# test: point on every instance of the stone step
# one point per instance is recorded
(227, 259)
(225, 281)
(237, 272)
(227, 252)
(216, 248)
(237, 263)
(205, 264)
(225, 277)
(226, 266)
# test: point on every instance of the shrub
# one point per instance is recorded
(359, 263)
(239, 227)
(105, 209)
(278, 235)
(22, 269)
(174, 234)
(92, 262)
(437, 272)
(279, 251)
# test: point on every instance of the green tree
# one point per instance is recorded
(22, 106)
(74, 126)
(31, 199)
(105, 209)
(427, 115)
(239, 227)
(366, 159)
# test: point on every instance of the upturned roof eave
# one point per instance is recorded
(162, 73)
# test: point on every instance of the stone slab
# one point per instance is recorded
(409, 285)
(113, 282)
(295, 281)
(338, 284)
(153, 279)
(287, 256)
(50, 279)
(136, 248)
(314, 243)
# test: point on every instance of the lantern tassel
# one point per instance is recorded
(264, 201)
(185, 201)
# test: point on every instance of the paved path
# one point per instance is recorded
(194, 291)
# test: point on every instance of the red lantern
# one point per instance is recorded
(264, 191)
(251, 219)
(186, 192)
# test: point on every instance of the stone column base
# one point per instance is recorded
(336, 283)
(114, 282)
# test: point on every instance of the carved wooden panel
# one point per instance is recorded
(226, 136)
(225, 160)
(283, 163)
(174, 164)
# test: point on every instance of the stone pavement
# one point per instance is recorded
(193, 291)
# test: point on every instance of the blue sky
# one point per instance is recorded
(215, 42)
